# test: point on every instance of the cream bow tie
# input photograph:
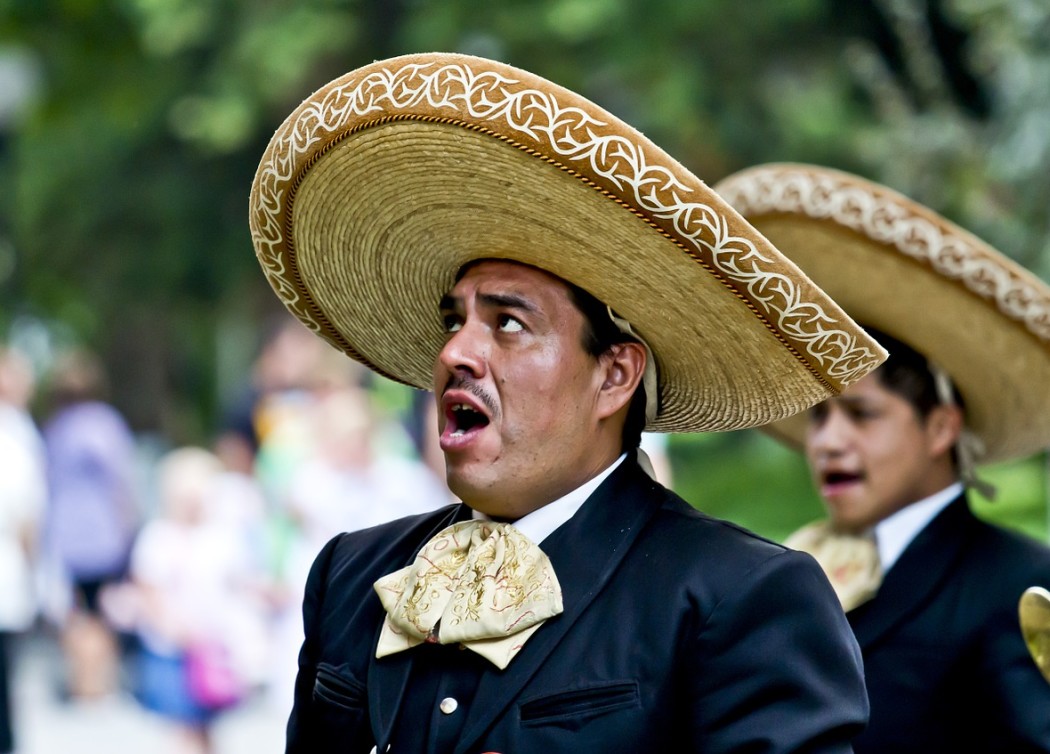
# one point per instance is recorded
(481, 584)
(850, 561)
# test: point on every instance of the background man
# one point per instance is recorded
(932, 591)
(562, 284)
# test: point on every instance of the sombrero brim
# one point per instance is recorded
(384, 182)
(897, 266)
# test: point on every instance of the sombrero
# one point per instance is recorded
(386, 181)
(897, 266)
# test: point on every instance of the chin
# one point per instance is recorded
(467, 489)
(848, 523)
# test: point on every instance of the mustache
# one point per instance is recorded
(459, 382)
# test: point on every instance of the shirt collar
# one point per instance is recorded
(895, 533)
(542, 521)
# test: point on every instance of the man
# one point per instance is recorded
(931, 591)
(562, 284)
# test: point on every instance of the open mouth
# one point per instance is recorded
(836, 478)
(462, 419)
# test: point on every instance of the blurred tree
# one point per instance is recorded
(128, 176)
(130, 131)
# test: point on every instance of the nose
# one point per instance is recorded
(829, 435)
(465, 354)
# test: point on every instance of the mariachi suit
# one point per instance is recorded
(946, 665)
(680, 633)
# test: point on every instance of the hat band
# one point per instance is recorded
(968, 447)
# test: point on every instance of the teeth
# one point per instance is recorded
(464, 419)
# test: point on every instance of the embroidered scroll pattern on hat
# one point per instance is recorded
(580, 141)
(887, 220)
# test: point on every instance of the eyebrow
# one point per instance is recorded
(851, 402)
(447, 303)
(495, 300)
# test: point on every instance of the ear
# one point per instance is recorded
(943, 427)
(622, 367)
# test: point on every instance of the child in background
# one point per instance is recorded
(201, 634)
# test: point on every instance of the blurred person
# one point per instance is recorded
(349, 482)
(23, 495)
(561, 284)
(421, 425)
(285, 356)
(930, 590)
(292, 369)
(240, 503)
(202, 644)
(91, 459)
(265, 436)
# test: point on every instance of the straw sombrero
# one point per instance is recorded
(897, 266)
(385, 181)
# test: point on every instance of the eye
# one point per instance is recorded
(453, 323)
(507, 323)
(861, 413)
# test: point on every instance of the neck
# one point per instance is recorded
(494, 504)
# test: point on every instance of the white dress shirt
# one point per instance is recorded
(542, 521)
(895, 533)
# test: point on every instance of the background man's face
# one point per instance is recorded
(870, 454)
(515, 390)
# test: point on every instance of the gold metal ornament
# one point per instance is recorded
(1034, 612)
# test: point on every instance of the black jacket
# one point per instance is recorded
(680, 633)
(946, 665)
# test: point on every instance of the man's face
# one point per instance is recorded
(516, 391)
(871, 454)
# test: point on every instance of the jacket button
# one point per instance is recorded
(448, 705)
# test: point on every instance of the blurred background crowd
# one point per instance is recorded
(130, 556)
(174, 450)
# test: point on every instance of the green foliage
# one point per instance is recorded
(760, 483)
(1022, 499)
(746, 477)
(130, 131)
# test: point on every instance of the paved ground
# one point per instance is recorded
(46, 725)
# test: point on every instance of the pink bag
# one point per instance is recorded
(211, 678)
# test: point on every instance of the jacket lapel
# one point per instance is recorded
(585, 552)
(387, 680)
(916, 576)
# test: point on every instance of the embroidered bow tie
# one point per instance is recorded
(851, 561)
(481, 584)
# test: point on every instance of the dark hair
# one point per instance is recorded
(600, 334)
(77, 375)
(906, 372)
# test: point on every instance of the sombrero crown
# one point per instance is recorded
(386, 181)
(897, 266)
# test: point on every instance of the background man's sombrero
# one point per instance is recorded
(385, 181)
(901, 268)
